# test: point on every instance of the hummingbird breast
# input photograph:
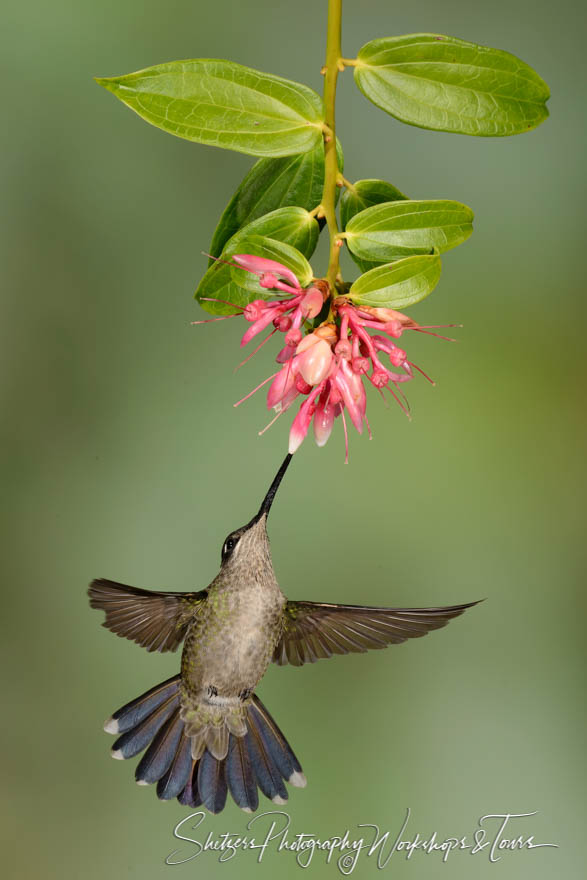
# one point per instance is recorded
(229, 646)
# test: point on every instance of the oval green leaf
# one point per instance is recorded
(273, 184)
(224, 104)
(363, 194)
(398, 229)
(283, 253)
(291, 225)
(442, 83)
(398, 285)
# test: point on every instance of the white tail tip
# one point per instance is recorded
(279, 800)
(298, 779)
(111, 725)
(117, 754)
(141, 782)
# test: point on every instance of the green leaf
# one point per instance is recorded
(364, 194)
(272, 184)
(224, 104)
(399, 284)
(291, 225)
(288, 256)
(397, 229)
(446, 84)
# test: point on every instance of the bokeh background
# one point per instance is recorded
(124, 458)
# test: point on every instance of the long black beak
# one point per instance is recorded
(268, 500)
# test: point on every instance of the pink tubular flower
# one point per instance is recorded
(329, 366)
(267, 270)
(301, 423)
(323, 420)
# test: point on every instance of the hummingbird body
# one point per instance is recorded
(205, 730)
(230, 643)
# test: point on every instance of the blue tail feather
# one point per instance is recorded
(240, 776)
(268, 776)
(138, 738)
(138, 709)
(190, 796)
(212, 782)
(158, 757)
(175, 780)
(274, 741)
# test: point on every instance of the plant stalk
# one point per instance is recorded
(332, 68)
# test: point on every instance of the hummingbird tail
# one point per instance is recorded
(262, 758)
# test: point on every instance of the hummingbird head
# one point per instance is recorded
(249, 545)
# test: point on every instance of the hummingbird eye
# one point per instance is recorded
(228, 547)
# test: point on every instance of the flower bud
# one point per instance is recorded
(314, 361)
(307, 342)
(282, 323)
(312, 303)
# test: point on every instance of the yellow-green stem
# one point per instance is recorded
(331, 70)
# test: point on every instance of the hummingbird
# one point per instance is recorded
(205, 730)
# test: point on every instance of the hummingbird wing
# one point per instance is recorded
(315, 630)
(157, 621)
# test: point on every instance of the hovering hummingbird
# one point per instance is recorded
(205, 730)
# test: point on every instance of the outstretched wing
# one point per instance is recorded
(156, 621)
(315, 630)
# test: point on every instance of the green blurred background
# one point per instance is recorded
(125, 459)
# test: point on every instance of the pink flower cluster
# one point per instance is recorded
(328, 367)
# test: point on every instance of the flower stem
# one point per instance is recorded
(331, 69)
